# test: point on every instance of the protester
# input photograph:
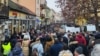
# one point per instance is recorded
(13, 39)
(79, 51)
(48, 42)
(96, 50)
(65, 51)
(96, 47)
(81, 39)
(25, 44)
(6, 47)
(17, 50)
(56, 48)
(38, 47)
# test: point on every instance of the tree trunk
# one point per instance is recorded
(97, 20)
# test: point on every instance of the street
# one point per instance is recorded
(49, 28)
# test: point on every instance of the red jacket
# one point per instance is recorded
(80, 39)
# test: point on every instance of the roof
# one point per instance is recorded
(17, 7)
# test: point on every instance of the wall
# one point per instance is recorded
(42, 1)
(30, 4)
(38, 8)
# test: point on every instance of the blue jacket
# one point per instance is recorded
(17, 51)
(55, 49)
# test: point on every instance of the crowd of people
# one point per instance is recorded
(51, 43)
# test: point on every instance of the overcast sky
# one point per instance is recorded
(51, 4)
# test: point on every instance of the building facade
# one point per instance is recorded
(29, 4)
(18, 17)
(4, 12)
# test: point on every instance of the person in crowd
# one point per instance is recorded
(96, 47)
(79, 51)
(96, 50)
(17, 50)
(56, 48)
(73, 44)
(32, 34)
(25, 44)
(13, 39)
(91, 42)
(87, 35)
(38, 47)
(6, 47)
(80, 39)
(49, 43)
(65, 40)
(65, 51)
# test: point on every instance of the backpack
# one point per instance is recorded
(35, 52)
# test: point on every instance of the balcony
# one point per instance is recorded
(42, 6)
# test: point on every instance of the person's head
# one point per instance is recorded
(78, 51)
(77, 32)
(69, 35)
(68, 31)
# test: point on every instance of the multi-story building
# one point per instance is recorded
(33, 5)
(43, 5)
(21, 13)
(18, 16)
(29, 4)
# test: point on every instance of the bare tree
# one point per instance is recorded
(95, 4)
(71, 9)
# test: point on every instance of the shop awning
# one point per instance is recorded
(17, 7)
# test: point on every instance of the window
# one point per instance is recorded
(5, 2)
(37, 1)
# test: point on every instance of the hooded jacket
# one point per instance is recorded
(81, 39)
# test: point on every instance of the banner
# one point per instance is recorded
(91, 28)
(72, 29)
